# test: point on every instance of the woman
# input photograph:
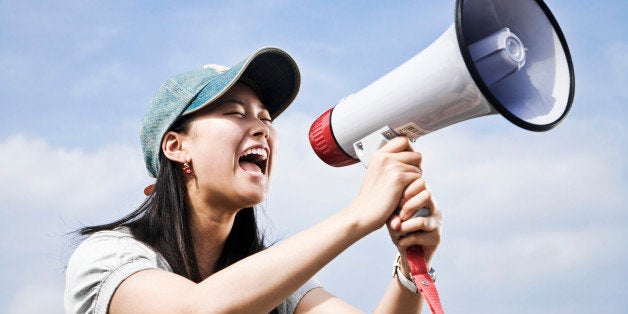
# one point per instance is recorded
(194, 246)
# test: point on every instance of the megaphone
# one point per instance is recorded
(499, 56)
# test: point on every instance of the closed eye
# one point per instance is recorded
(239, 113)
(264, 116)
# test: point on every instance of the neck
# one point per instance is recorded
(210, 228)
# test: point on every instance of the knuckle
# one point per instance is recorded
(376, 160)
(419, 156)
(386, 161)
(426, 223)
(398, 177)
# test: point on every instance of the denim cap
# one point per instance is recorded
(270, 71)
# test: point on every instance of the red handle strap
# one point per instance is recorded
(422, 279)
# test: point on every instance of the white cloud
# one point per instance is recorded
(36, 298)
(47, 192)
(67, 181)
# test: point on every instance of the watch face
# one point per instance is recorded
(432, 274)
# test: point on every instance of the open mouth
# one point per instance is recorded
(254, 160)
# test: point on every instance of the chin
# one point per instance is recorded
(253, 199)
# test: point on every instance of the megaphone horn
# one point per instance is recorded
(499, 56)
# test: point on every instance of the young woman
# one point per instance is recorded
(193, 246)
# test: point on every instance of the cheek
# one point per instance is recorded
(272, 143)
(210, 161)
(214, 148)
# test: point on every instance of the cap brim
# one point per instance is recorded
(272, 69)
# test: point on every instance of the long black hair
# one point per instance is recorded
(161, 221)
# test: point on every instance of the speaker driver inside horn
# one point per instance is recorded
(519, 58)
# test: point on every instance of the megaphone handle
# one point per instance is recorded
(422, 278)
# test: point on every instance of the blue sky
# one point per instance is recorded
(534, 222)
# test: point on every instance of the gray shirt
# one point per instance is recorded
(106, 258)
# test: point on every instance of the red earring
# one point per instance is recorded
(188, 170)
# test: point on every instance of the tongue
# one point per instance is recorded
(250, 167)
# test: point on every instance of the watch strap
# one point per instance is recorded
(401, 277)
(422, 279)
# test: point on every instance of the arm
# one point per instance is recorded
(262, 281)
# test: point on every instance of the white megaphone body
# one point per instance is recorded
(500, 56)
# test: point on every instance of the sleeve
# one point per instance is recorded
(98, 266)
(290, 305)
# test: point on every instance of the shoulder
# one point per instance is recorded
(113, 246)
(100, 263)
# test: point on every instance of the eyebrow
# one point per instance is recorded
(241, 103)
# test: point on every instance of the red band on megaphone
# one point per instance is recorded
(324, 143)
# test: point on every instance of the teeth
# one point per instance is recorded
(256, 151)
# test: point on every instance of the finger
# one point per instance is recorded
(413, 189)
(407, 157)
(391, 163)
(420, 200)
(411, 161)
(405, 166)
(394, 223)
(435, 211)
(397, 144)
(419, 238)
(419, 224)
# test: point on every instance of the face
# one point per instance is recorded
(230, 146)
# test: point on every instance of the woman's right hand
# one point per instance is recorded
(391, 169)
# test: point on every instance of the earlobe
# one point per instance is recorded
(172, 146)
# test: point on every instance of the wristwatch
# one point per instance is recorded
(405, 281)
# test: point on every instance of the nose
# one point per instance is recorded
(260, 129)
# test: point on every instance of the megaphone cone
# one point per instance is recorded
(499, 56)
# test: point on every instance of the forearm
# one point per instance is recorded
(263, 280)
(398, 299)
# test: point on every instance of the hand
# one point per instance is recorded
(391, 170)
(406, 231)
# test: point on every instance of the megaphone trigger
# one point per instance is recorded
(367, 146)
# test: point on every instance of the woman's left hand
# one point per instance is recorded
(406, 231)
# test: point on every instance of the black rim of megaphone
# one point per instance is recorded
(486, 91)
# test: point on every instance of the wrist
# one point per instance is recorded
(364, 223)
(355, 226)
(404, 276)
(404, 267)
